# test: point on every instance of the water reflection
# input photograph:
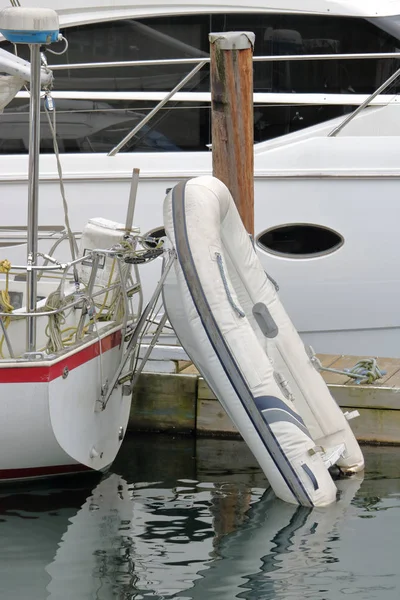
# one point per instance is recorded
(276, 548)
(186, 520)
(31, 525)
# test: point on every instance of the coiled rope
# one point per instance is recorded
(365, 370)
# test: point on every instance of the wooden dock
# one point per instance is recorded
(182, 401)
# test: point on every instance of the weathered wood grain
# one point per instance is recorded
(231, 77)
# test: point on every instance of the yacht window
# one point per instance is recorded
(300, 240)
(186, 36)
(158, 38)
(98, 126)
(280, 34)
(389, 24)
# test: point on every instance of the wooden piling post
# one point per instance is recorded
(231, 73)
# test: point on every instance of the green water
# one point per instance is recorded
(186, 519)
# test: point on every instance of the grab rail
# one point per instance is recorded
(195, 61)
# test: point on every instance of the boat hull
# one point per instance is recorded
(51, 421)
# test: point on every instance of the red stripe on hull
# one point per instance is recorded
(33, 472)
(45, 374)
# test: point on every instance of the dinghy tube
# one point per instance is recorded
(228, 317)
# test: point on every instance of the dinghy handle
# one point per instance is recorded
(265, 320)
(311, 475)
(235, 307)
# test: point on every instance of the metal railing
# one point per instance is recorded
(196, 61)
(201, 62)
(81, 299)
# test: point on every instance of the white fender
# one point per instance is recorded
(228, 317)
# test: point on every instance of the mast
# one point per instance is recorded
(33, 196)
(35, 27)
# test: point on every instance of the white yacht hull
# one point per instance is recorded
(342, 302)
(49, 418)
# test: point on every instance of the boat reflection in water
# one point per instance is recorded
(277, 547)
(32, 523)
(170, 526)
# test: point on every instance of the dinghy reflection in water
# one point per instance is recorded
(275, 540)
(229, 319)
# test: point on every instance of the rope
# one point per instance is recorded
(5, 267)
(56, 321)
(227, 290)
(60, 336)
(49, 106)
(364, 371)
(5, 301)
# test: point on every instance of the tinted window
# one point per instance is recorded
(98, 126)
(309, 34)
(186, 36)
(130, 40)
(88, 126)
(271, 121)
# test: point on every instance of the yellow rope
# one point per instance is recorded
(103, 305)
(5, 301)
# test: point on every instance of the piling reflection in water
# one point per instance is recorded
(194, 521)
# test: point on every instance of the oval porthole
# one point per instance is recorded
(300, 240)
(152, 237)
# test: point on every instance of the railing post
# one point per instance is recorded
(231, 72)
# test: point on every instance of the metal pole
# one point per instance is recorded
(33, 194)
(132, 200)
(141, 323)
(194, 61)
(149, 350)
(7, 339)
(351, 116)
(155, 110)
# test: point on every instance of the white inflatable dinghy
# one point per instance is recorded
(228, 317)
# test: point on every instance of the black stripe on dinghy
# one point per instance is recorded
(221, 349)
(279, 415)
(265, 403)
